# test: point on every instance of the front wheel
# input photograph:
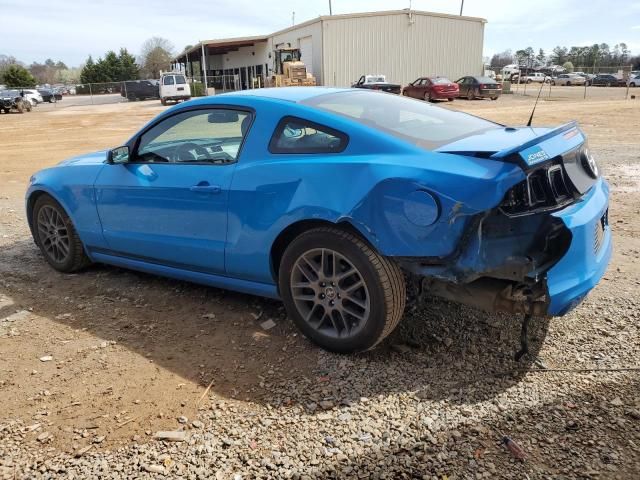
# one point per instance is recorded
(56, 236)
(163, 101)
(340, 293)
(470, 95)
(494, 98)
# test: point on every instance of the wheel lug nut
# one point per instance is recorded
(322, 296)
(332, 303)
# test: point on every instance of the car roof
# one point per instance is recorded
(291, 94)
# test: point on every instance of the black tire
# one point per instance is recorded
(450, 99)
(470, 94)
(27, 106)
(568, 84)
(163, 101)
(20, 107)
(75, 258)
(529, 80)
(382, 278)
(494, 98)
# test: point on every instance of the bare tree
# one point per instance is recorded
(155, 55)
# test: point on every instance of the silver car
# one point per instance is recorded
(568, 79)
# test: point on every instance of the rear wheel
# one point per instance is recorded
(56, 236)
(163, 101)
(494, 98)
(450, 99)
(470, 95)
(339, 292)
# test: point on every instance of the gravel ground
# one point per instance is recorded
(116, 374)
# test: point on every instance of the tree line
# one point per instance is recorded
(593, 57)
(156, 54)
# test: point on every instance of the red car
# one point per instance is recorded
(432, 88)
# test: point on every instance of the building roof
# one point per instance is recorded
(225, 45)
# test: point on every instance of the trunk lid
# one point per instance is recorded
(526, 146)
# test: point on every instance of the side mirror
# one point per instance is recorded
(118, 155)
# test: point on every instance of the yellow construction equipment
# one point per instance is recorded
(289, 70)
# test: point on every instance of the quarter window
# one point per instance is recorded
(196, 136)
(295, 135)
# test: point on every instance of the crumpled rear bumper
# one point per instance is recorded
(589, 253)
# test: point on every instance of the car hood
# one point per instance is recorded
(94, 158)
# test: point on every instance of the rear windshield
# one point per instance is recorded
(485, 80)
(440, 80)
(415, 121)
(180, 80)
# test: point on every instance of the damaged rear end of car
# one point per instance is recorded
(545, 245)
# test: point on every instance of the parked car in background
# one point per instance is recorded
(608, 80)
(377, 82)
(568, 79)
(587, 76)
(174, 88)
(13, 100)
(49, 95)
(33, 96)
(634, 81)
(479, 87)
(431, 89)
(140, 89)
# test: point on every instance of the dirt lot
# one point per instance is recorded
(131, 353)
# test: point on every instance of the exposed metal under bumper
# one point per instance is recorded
(493, 295)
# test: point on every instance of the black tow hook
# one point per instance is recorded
(524, 338)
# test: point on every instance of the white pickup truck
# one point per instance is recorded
(536, 77)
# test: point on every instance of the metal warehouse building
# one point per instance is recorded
(338, 49)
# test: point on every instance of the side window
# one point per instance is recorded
(196, 136)
(295, 135)
(168, 80)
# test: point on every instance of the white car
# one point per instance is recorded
(634, 81)
(33, 96)
(569, 79)
(174, 88)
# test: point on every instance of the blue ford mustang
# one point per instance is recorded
(334, 200)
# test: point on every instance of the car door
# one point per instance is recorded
(168, 203)
(425, 88)
(464, 85)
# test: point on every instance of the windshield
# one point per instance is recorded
(415, 121)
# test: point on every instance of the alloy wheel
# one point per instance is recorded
(53, 234)
(330, 293)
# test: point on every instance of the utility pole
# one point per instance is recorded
(461, 7)
(330, 10)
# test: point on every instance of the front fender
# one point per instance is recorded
(72, 188)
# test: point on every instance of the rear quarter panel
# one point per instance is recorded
(366, 186)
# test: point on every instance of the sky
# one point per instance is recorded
(71, 30)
